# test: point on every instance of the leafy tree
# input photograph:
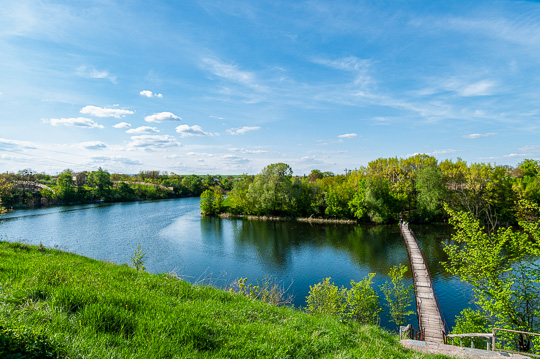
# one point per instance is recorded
(66, 187)
(326, 298)
(101, 181)
(125, 191)
(211, 201)
(502, 267)
(431, 192)
(379, 201)
(360, 303)
(398, 295)
(271, 191)
(5, 188)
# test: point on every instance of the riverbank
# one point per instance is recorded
(278, 218)
(57, 304)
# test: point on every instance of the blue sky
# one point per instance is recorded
(228, 87)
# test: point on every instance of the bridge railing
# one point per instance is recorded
(491, 340)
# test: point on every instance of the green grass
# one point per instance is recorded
(57, 304)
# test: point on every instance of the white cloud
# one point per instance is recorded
(200, 154)
(253, 152)
(75, 122)
(217, 117)
(93, 145)
(231, 159)
(443, 152)
(530, 149)
(162, 117)
(83, 71)
(142, 130)
(150, 94)
(242, 130)
(359, 67)
(116, 160)
(348, 135)
(105, 112)
(15, 144)
(153, 142)
(230, 72)
(195, 130)
(478, 135)
(122, 125)
(481, 88)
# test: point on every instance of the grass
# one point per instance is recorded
(57, 304)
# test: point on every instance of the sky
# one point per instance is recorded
(229, 87)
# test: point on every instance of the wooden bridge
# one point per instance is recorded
(430, 321)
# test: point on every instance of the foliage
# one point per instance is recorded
(471, 321)
(211, 201)
(398, 295)
(502, 267)
(326, 298)
(269, 290)
(137, 259)
(359, 303)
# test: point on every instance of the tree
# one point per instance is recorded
(502, 267)
(360, 302)
(101, 181)
(271, 191)
(431, 192)
(211, 201)
(398, 295)
(66, 191)
(5, 188)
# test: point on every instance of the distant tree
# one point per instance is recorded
(100, 180)
(65, 187)
(431, 192)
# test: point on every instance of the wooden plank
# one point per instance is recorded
(429, 317)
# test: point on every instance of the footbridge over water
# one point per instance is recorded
(430, 323)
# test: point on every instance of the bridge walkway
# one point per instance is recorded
(430, 321)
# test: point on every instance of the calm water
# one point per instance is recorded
(177, 239)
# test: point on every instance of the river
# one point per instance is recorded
(176, 238)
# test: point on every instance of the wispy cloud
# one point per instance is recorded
(480, 88)
(74, 122)
(122, 125)
(358, 67)
(252, 152)
(153, 142)
(242, 130)
(348, 135)
(195, 130)
(235, 160)
(105, 112)
(15, 144)
(142, 130)
(150, 94)
(473, 136)
(229, 72)
(114, 160)
(93, 145)
(162, 117)
(91, 72)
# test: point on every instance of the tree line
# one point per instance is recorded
(90, 186)
(384, 191)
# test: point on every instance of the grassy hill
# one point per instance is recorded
(57, 304)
